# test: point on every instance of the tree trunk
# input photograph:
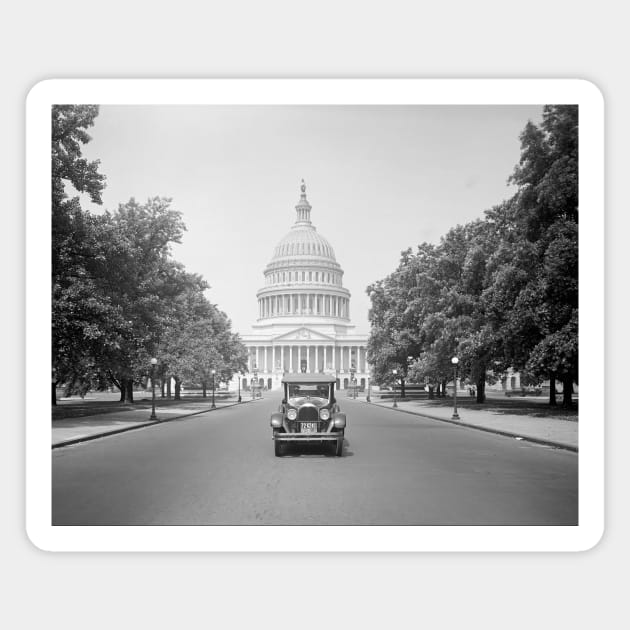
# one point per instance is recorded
(431, 394)
(178, 389)
(203, 387)
(168, 387)
(552, 390)
(481, 389)
(126, 390)
(567, 391)
(402, 387)
(54, 393)
(443, 392)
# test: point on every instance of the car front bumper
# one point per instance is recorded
(331, 436)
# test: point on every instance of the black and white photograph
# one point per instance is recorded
(346, 314)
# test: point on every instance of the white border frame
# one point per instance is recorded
(316, 91)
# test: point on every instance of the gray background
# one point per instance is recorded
(291, 39)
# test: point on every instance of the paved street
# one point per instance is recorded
(218, 468)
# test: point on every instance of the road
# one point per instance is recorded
(219, 468)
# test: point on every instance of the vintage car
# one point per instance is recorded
(308, 413)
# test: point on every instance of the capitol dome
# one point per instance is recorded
(303, 241)
(303, 276)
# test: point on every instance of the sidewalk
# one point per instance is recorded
(72, 430)
(559, 432)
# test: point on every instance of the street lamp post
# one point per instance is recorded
(213, 406)
(153, 364)
(368, 399)
(455, 415)
(238, 376)
(353, 381)
(395, 405)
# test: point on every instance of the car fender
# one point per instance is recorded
(277, 420)
(339, 420)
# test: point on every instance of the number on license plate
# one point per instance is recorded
(308, 427)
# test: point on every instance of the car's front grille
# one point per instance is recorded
(308, 414)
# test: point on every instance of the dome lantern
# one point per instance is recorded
(303, 208)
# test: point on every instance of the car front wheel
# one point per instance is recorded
(339, 445)
(277, 445)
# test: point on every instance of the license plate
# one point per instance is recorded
(308, 427)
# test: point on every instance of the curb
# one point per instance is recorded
(143, 425)
(535, 440)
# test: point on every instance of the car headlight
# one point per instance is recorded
(324, 413)
(292, 414)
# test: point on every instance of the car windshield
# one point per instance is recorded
(309, 390)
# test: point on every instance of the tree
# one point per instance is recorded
(394, 336)
(143, 282)
(546, 214)
(73, 233)
(198, 341)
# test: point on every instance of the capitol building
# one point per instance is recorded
(303, 322)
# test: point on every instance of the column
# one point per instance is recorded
(317, 358)
(308, 360)
(334, 358)
(290, 358)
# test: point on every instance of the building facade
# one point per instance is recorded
(303, 322)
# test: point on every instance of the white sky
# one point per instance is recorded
(379, 178)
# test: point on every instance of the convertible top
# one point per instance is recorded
(301, 377)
